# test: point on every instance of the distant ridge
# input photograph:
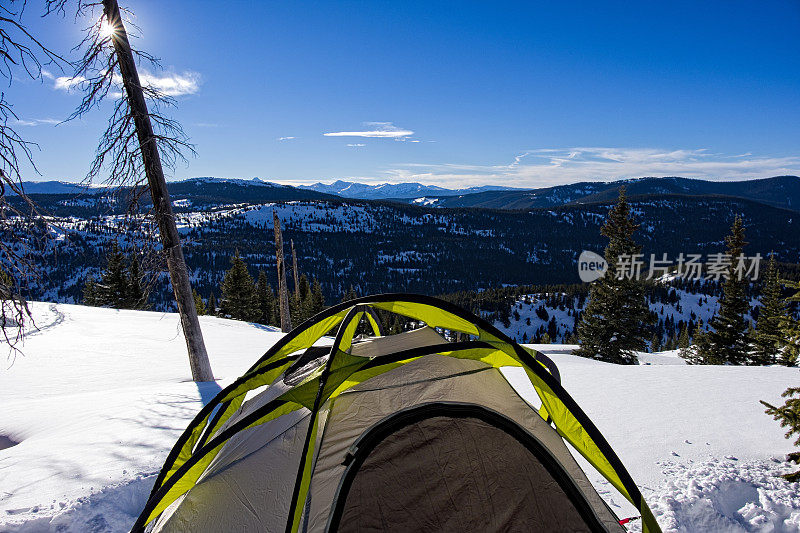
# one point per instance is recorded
(778, 191)
(385, 191)
(53, 187)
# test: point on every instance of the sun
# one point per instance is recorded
(106, 29)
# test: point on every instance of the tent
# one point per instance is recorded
(407, 432)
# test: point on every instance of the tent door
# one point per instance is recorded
(455, 467)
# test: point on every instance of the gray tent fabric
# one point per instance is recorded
(455, 474)
(379, 346)
(431, 379)
(452, 473)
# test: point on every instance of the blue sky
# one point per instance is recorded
(452, 93)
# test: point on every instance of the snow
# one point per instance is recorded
(98, 397)
(673, 425)
(96, 401)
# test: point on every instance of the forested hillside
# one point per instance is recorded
(386, 247)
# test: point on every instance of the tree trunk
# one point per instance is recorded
(296, 278)
(283, 292)
(162, 207)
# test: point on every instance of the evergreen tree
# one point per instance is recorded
(349, 295)
(655, 344)
(239, 292)
(112, 290)
(317, 298)
(137, 293)
(266, 300)
(790, 330)
(696, 353)
(614, 324)
(300, 303)
(90, 291)
(113, 287)
(789, 416)
(211, 307)
(304, 288)
(671, 344)
(728, 337)
(768, 338)
(198, 303)
(683, 338)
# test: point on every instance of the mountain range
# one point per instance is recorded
(385, 191)
(778, 191)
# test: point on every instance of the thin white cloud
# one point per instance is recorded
(35, 122)
(66, 83)
(379, 130)
(286, 138)
(172, 84)
(555, 166)
(169, 84)
(356, 144)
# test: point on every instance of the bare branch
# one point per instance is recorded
(21, 230)
(118, 154)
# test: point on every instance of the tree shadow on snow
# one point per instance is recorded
(262, 327)
(207, 390)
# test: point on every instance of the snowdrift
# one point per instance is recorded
(97, 397)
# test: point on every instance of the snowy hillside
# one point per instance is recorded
(99, 397)
(532, 315)
(382, 247)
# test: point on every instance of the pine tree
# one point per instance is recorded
(90, 291)
(789, 416)
(198, 303)
(211, 307)
(239, 292)
(767, 339)
(790, 330)
(695, 354)
(266, 300)
(683, 339)
(672, 343)
(728, 338)
(303, 290)
(614, 324)
(300, 303)
(137, 293)
(112, 289)
(655, 344)
(349, 295)
(114, 282)
(317, 298)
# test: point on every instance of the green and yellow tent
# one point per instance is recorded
(408, 432)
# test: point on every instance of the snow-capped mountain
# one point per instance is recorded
(383, 191)
(777, 191)
(54, 187)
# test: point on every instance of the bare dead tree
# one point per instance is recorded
(21, 229)
(138, 142)
(283, 291)
(294, 269)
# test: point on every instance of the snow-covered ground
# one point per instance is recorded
(99, 397)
